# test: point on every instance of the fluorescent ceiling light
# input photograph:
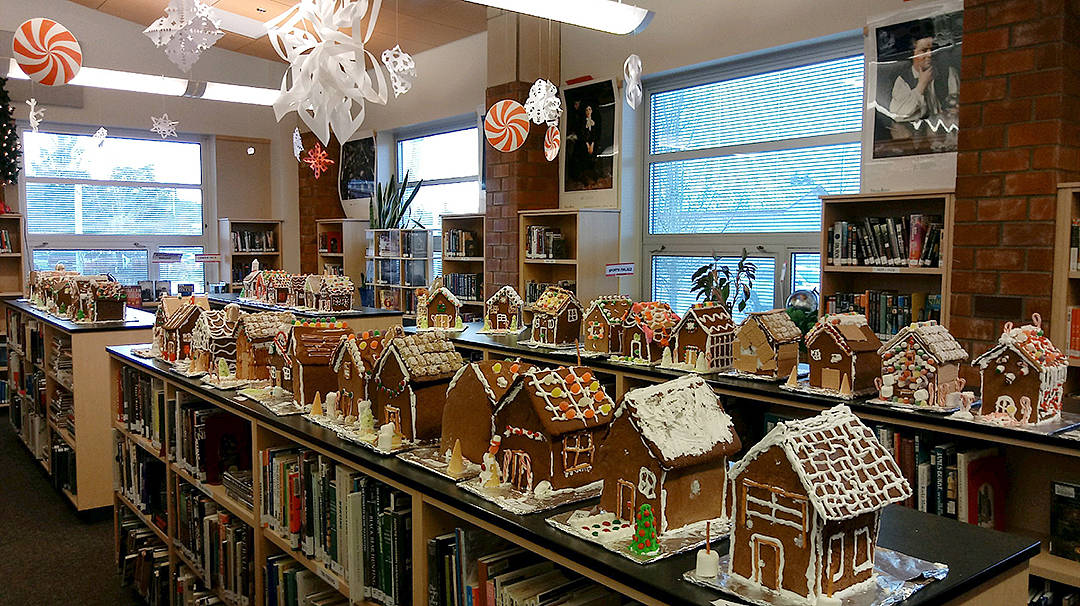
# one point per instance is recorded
(239, 24)
(135, 82)
(604, 15)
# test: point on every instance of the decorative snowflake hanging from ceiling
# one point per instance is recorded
(188, 28)
(543, 105)
(632, 80)
(328, 81)
(100, 136)
(401, 67)
(35, 115)
(297, 144)
(163, 126)
(318, 160)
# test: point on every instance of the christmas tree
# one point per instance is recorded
(644, 541)
(9, 139)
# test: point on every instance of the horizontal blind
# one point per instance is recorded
(806, 271)
(672, 273)
(127, 266)
(188, 270)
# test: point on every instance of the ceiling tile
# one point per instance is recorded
(143, 12)
(250, 8)
(232, 41)
(260, 47)
(89, 3)
(462, 15)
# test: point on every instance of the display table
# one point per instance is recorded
(358, 319)
(40, 374)
(982, 563)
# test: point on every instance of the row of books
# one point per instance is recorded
(62, 466)
(468, 287)
(61, 362)
(220, 546)
(142, 479)
(911, 241)
(288, 583)
(886, 311)
(209, 440)
(62, 410)
(1043, 592)
(333, 269)
(533, 290)
(239, 487)
(330, 242)
(143, 561)
(1074, 245)
(410, 244)
(542, 242)
(246, 240)
(461, 243)
(143, 408)
(1065, 520)
(154, 290)
(6, 245)
(356, 526)
(1072, 333)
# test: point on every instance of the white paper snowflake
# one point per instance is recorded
(35, 115)
(297, 144)
(402, 69)
(328, 81)
(543, 105)
(632, 80)
(188, 28)
(100, 136)
(163, 126)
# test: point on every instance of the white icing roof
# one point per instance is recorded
(510, 294)
(934, 337)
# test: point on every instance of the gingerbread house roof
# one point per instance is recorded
(314, 342)
(681, 422)
(364, 350)
(506, 292)
(713, 318)
(313, 282)
(841, 465)
(167, 307)
(655, 319)
(498, 377)
(776, 325)
(265, 324)
(566, 399)
(444, 291)
(278, 278)
(553, 300)
(337, 285)
(108, 289)
(297, 281)
(188, 312)
(932, 337)
(612, 307)
(426, 356)
(214, 328)
(849, 330)
(1028, 341)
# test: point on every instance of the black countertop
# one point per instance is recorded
(751, 389)
(134, 319)
(926, 536)
(223, 299)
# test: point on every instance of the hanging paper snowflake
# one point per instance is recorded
(35, 115)
(632, 80)
(188, 28)
(100, 136)
(401, 67)
(163, 126)
(328, 81)
(318, 160)
(543, 105)
(297, 144)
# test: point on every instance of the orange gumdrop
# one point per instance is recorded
(589, 413)
(598, 396)
(514, 368)
(570, 414)
(564, 406)
(587, 377)
(575, 388)
(366, 335)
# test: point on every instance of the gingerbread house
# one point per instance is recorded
(214, 338)
(335, 294)
(706, 331)
(180, 326)
(806, 502)
(313, 284)
(108, 301)
(255, 285)
(767, 344)
(408, 386)
(844, 357)
(551, 427)
(278, 283)
(296, 290)
(668, 443)
(648, 328)
(1023, 376)
(602, 326)
(502, 312)
(255, 342)
(83, 304)
(920, 366)
(307, 358)
(556, 317)
(41, 284)
(474, 394)
(64, 294)
(167, 306)
(437, 308)
(353, 361)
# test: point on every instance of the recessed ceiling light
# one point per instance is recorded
(251, 151)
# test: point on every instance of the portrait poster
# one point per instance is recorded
(589, 169)
(912, 85)
(356, 176)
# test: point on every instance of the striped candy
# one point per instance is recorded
(506, 125)
(46, 51)
(552, 142)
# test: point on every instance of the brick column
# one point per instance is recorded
(318, 200)
(1019, 133)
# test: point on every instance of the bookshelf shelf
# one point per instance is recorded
(341, 248)
(142, 517)
(552, 261)
(1055, 568)
(63, 433)
(865, 269)
(238, 237)
(321, 570)
(463, 259)
(217, 493)
(590, 241)
(466, 237)
(394, 273)
(142, 442)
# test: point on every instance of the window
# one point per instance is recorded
(738, 155)
(577, 452)
(107, 209)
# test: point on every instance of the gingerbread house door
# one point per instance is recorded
(768, 553)
(392, 414)
(627, 500)
(517, 469)
(835, 559)
(635, 346)
(502, 322)
(690, 355)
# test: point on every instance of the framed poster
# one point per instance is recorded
(912, 79)
(588, 157)
(356, 176)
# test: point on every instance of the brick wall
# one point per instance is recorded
(1020, 127)
(318, 200)
(519, 180)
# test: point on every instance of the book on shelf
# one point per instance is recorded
(1074, 245)
(142, 480)
(467, 287)
(62, 469)
(533, 289)
(6, 245)
(220, 546)
(162, 288)
(1065, 519)
(146, 290)
(133, 295)
(461, 243)
(142, 560)
(143, 408)
(333, 269)
(543, 242)
(209, 439)
(247, 240)
(330, 242)
(886, 311)
(1072, 333)
(909, 241)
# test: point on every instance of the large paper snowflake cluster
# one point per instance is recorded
(401, 67)
(188, 28)
(330, 75)
(543, 104)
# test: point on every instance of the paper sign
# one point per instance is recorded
(208, 258)
(163, 257)
(619, 269)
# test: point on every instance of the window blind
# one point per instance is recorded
(186, 271)
(127, 266)
(671, 281)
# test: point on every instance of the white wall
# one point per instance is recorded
(114, 43)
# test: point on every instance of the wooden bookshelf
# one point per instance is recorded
(473, 264)
(836, 278)
(394, 272)
(592, 241)
(348, 254)
(236, 263)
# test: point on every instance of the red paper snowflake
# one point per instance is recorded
(318, 160)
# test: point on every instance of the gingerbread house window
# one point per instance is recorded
(578, 452)
(863, 557)
(571, 315)
(774, 505)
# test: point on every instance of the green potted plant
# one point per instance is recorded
(389, 207)
(714, 283)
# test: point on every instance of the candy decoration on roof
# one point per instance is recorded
(506, 125)
(401, 67)
(543, 104)
(552, 143)
(188, 28)
(46, 51)
(632, 80)
(318, 160)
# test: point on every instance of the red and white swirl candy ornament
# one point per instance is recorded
(552, 143)
(46, 51)
(506, 125)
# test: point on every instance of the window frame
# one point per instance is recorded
(779, 245)
(151, 243)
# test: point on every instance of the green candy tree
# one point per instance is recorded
(644, 541)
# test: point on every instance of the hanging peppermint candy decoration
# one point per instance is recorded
(46, 51)
(543, 104)
(552, 143)
(506, 125)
